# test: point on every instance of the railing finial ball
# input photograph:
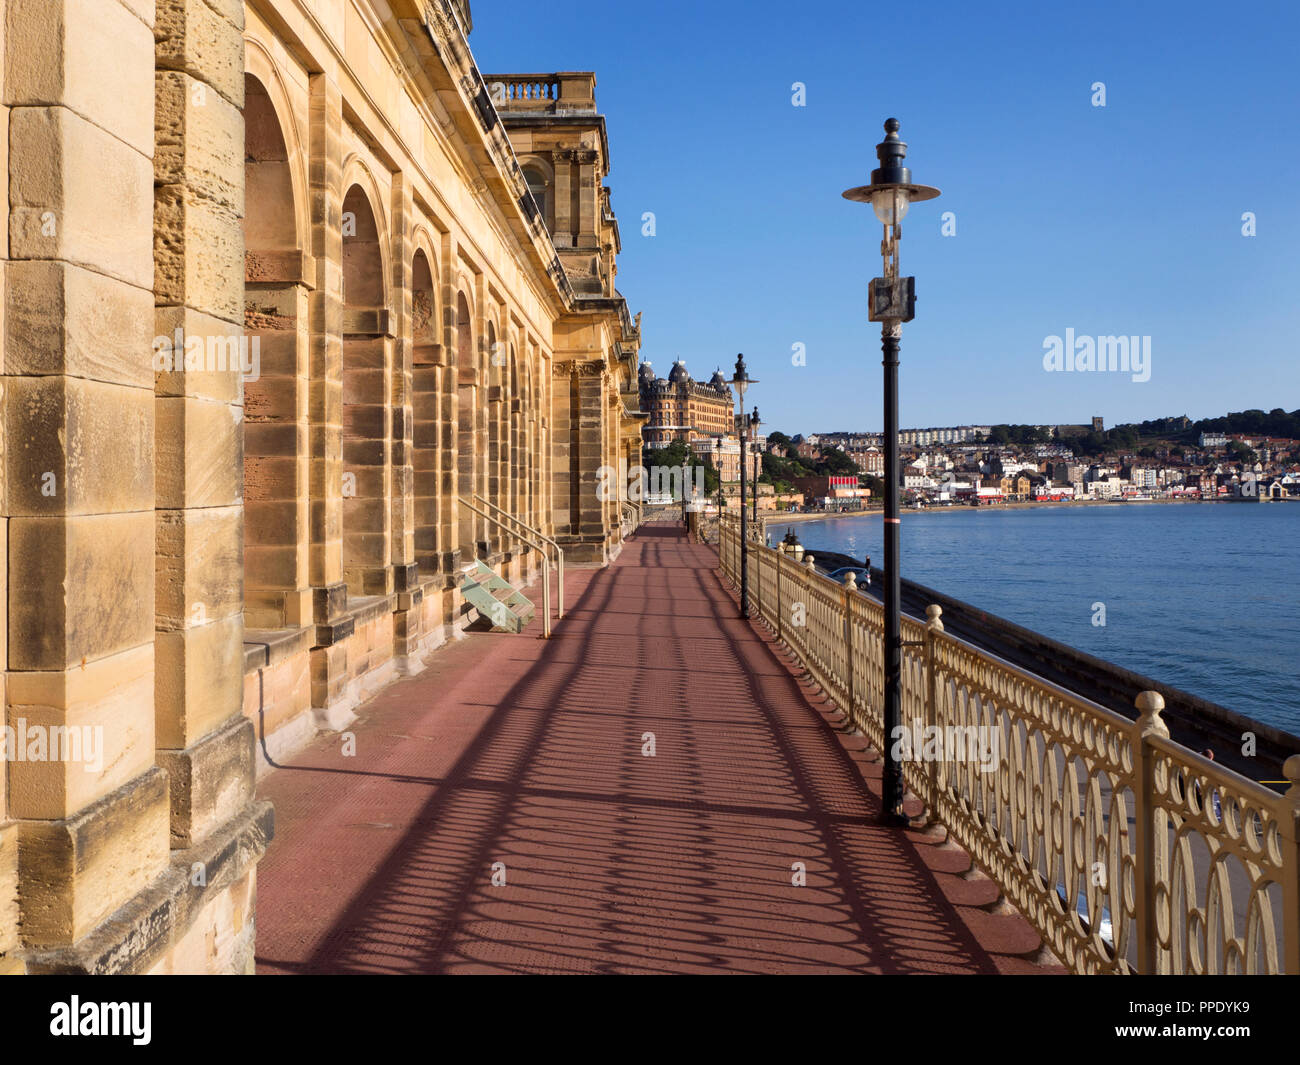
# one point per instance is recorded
(1150, 703)
(935, 613)
(1291, 770)
(851, 581)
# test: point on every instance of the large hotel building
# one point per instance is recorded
(700, 413)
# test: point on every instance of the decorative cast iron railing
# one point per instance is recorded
(1128, 852)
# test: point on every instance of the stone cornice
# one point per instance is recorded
(506, 197)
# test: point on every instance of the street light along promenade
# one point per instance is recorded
(892, 302)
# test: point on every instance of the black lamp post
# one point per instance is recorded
(892, 302)
(754, 424)
(717, 468)
(742, 381)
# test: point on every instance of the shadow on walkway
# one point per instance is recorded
(526, 761)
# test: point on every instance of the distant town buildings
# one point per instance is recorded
(960, 464)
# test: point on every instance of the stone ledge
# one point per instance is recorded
(133, 937)
(267, 647)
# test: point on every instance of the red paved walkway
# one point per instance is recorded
(511, 749)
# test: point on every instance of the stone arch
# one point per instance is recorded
(367, 436)
(365, 244)
(275, 306)
(263, 77)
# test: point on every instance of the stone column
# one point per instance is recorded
(447, 383)
(431, 450)
(545, 453)
(565, 223)
(78, 466)
(367, 477)
(562, 491)
(277, 291)
(495, 418)
(406, 584)
(614, 500)
(9, 961)
(203, 738)
(588, 199)
(580, 420)
(325, 399)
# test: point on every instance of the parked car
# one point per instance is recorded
(862, 575)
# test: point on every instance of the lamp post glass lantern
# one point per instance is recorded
(892, 302)
(742, 381)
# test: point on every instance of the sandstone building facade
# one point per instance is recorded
(284, 281)
(681, 408)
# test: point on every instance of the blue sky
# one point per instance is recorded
(1123, 219)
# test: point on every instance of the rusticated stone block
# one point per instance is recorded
(80, 588)
(200, 140)
(91, 730)
(198, 254)
(267, 567)
(79, 447)
(281, 353)
(57, 54)
(204, 38)
(211, 780)
(199, 571)
(157, 923)
(199, 683)
(272, 399)
(206, 369)
(75, 872)
(200, 458)
(274, 474)
(328, 674)
(80, 194)
(60, 318)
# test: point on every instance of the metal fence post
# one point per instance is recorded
(933, 627)
(1149, 852)
(780, 609)
(850, 590)
(1291, 863)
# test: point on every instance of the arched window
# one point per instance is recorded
(541, 191)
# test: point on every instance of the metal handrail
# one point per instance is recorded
(537, 534)
(1126, 851)
(546, 582)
